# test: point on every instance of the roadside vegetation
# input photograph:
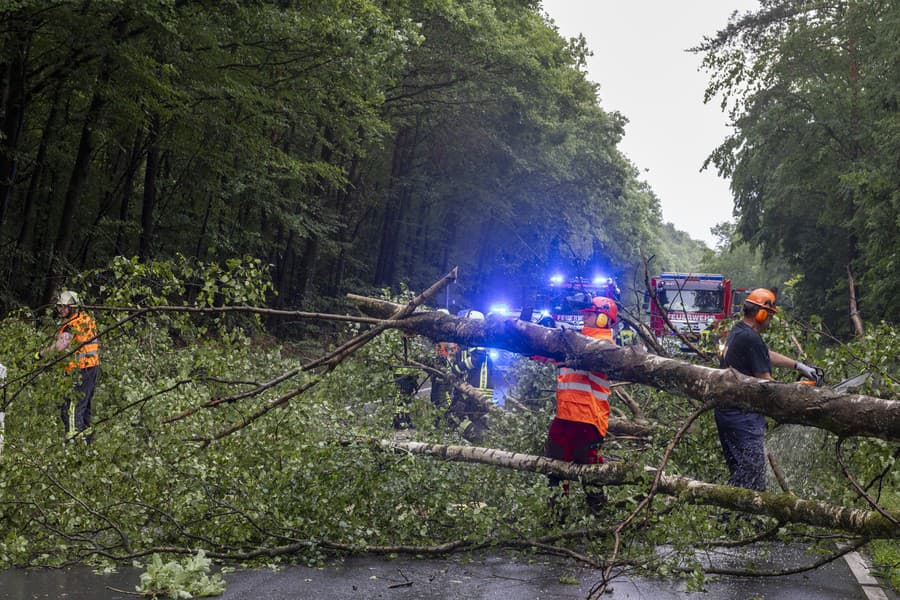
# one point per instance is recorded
(191, 455)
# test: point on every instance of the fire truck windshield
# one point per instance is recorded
(704, 301)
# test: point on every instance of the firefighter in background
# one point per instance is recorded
(406, 378)
(476, 363)
(79, 333)
(742, 434)
(446, 355)
(626, 336)
(582, 407)
(475, 366)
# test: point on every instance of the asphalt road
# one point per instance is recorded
(458, 578)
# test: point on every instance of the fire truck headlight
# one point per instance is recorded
(556, 278)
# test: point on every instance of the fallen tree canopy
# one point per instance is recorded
(784, 507)
(841, 413)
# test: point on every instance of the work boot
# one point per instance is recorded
(597, 502)
(558, 510)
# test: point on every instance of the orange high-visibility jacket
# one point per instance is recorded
(83, 331)
(583, 396)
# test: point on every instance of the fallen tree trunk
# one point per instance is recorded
(784, 507)
(841, 413)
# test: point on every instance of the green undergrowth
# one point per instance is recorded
(304, 474)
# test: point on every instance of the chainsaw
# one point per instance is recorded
(844, 386)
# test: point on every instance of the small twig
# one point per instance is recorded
(205, 441)
(778, 474)
(791, 571)
(228, 399)
(626, 399)
(598, 590)
(119, 591)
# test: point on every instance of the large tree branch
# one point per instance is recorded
(841, 413)
(784, 507)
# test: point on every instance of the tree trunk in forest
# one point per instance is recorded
(395, 209)
(285, 269)
(77, 181)
(308, 261)
(151, 173)
(200, 249)
(120, 247)
(29, 210)
(842, 414)
(347, 229)
(13, 105)
(784, 507)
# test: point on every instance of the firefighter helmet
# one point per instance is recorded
(475, 314)
(763, 298)
(605, 306)
(68, 298)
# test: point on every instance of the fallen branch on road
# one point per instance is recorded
(784, 507)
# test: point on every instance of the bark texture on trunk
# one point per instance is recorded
(841, 413)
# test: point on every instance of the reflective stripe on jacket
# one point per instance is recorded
(84, 331)
(583, 396)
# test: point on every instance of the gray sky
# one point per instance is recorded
(644, 73)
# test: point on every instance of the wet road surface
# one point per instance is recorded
(458, 578)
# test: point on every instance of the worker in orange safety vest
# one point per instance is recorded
(582, 407)
(79, 333)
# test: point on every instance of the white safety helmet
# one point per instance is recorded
(68, 298)
(475, 314)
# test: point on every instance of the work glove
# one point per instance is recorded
(811, 373)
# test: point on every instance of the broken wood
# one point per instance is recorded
(855, 319)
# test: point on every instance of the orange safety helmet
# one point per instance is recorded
(604, 306)
(764, 299)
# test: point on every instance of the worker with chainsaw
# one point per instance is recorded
(582, 407)
(741, 433)
(77, 334)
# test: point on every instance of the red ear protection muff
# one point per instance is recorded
(602, 320)
(761, 315)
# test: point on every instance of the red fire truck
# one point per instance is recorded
(564, 298)
(694, 303)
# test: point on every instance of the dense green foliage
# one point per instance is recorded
(812, 91)
(347, 144)
(308, 477)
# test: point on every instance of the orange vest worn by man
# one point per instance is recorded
(79, 333)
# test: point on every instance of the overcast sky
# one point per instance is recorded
(644, 73)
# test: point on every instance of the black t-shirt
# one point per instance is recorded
(746, 351)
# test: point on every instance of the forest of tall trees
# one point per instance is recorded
(370, 143)
(347, 144)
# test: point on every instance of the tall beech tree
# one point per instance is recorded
(811, 90)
